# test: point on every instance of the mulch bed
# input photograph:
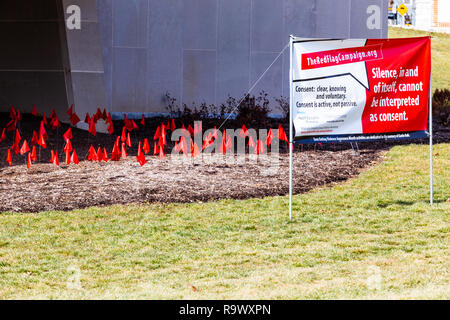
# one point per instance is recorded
(47, 187)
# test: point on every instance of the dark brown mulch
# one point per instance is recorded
(47, 187)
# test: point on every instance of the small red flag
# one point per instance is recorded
(70, 111)
(67, 157)
(99, 154)
(124, 135)
(104, 115)
(74, 119)
(42, 130)
(157, 134)
(9, 158)
(282, 134)
(29, 163)
(172, 126)
(143, 120)
(161, 152)
(55, 159)
(111, 128)
(25, 148)
(87, 119)
(92, 129)
(68, 146)
(128, 140)
(34, 111)
(269, 138)
(190, 130)
(123, 152)
(42, 142)
(44, 119)
(3, 137)
(244, 132)
(33, 154)
(194, 150)
(92, 154)
(135, 127)
(53, 114)
(18, 137)
(74, 158)
(105, 155)
(146, 146)
(251, 142)
(19, 116)
(55, 123)
(155, 149)
(35, 139)
(140, 156)
(68, 135)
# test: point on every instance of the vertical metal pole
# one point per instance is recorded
(291, 105)
(431, 140)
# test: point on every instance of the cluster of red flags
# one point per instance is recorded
(122, 142)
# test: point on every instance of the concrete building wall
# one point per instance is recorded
(130, 53)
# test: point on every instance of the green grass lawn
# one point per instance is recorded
(375, 236)
(440, 52)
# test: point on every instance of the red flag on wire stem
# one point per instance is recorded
(55, 159)
(17, 137)
(70, 111)
(15, 148)
(172, 126)
(161, 152)
(92, 156)
(35, 139)
(251, 142)
(74, 157)
(74, 119)
(68, 135)
(140, 156)
(12, 125)
(29, 163)
(146, 146)
(190, 130)
(244, 131)
(143, 120)
(55, 123)
(9, 158)
(195, 150)
(128, 140)
(157, 134)
(135, 127)
(25, 148)
(123, 152)
(34, 111)
(3, 136)
(155, 149)
(52, 114)
(92, 129)
(87, 119)
(33, 154)
(67, 157)
(111, 128)
(269, 138)
(42, 142)
(124, 135)
(282, 134)
(99, 155)
(105, 155)
(68, 146)
(44, 119)
(42, 131)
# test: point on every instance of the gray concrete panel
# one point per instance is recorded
(129, 79)
(359, 16)
(86, 88)
(272, 81)
(199, 77)
(199, 24)
(333, 18)
(267, 26)
(165, 59)
(130, 23)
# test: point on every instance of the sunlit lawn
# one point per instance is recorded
(375, 236)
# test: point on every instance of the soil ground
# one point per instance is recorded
(47, 187)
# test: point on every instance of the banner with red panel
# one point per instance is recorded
(359, 89)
